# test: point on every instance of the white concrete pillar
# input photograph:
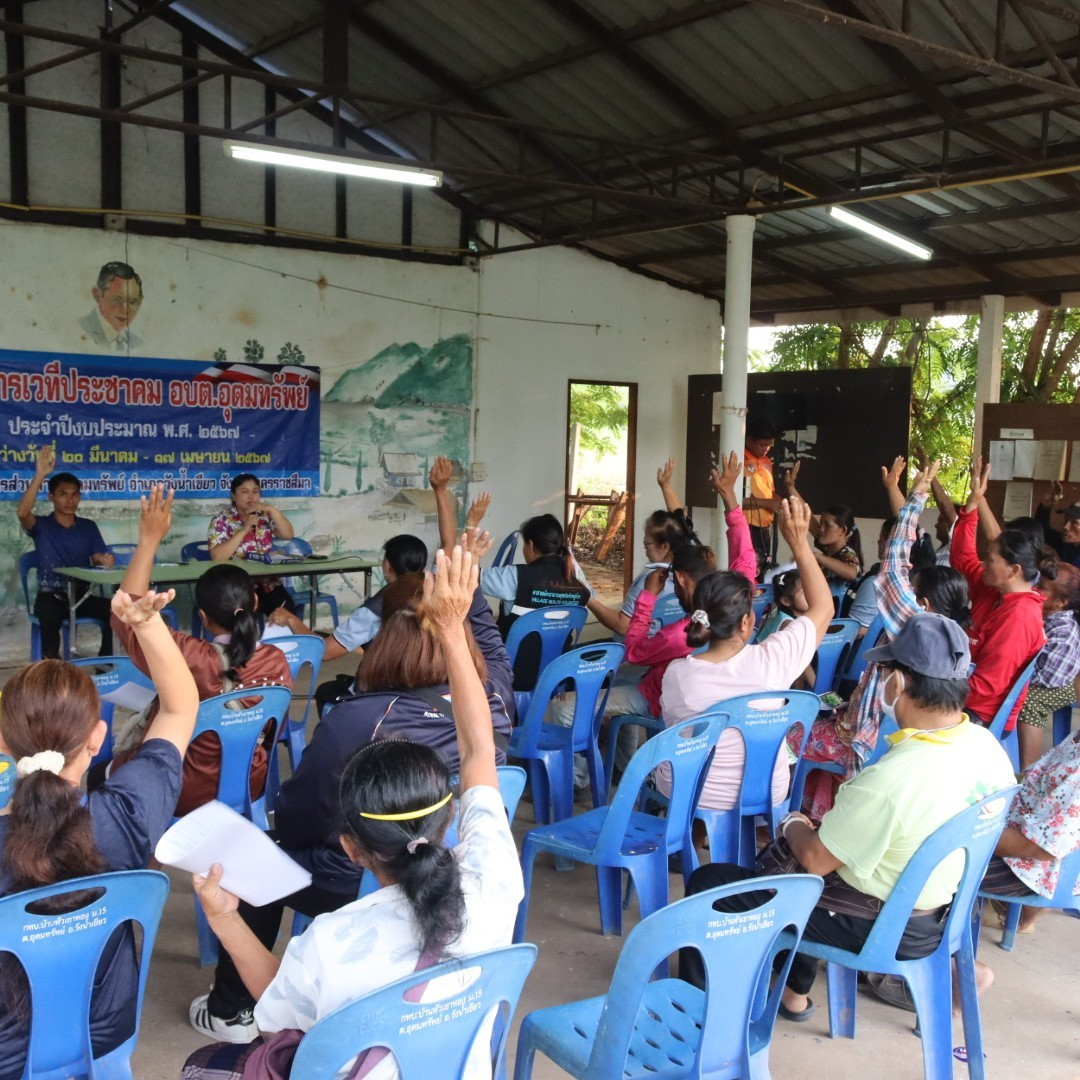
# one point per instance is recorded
(737, 276)
(988, 369)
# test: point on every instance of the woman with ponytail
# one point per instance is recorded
(50, 725)
(235, 660)
(723, 620)
(395, 804)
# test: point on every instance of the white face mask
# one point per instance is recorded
(888, 708)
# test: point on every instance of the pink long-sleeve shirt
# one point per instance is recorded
(669, 643)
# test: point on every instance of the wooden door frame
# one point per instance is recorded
(631, 465)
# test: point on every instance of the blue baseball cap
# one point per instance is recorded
(929, 644)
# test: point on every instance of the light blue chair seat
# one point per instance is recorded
(1009, 739)
(620, 837)
(668, 1028)
(974, 831)
(61, 966)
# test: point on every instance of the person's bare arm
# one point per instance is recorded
(806, 846)
(448, 595)
(439, 479)
(890, 478)
(1013, 844)
(672, 502)
(989, 524)
(332, 648)
(836, 566)
(283, 528)
(46, 462)
(478, 509)
(155, 520)
(795, 528)
(608, 617)
(944, 503)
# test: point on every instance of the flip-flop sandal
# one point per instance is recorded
(797, 1017)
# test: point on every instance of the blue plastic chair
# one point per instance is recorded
(429, 1038)
(668, 609)
(196, 551)
(548, 749)
(832, 654)
(620, 837)
(301, 651)
(117, 671)
(239, 731)
(1063, 724)
(975, 832)
(1009, 740)
(507, 550)
(764, 595)
(302, 597)
(1063, 898)
(856, 664)
(121, 552)
(61, 964)
(839, 590)
(556, 628)
(28, 561)
(764, 721)
(668, 1027)
(651, 724)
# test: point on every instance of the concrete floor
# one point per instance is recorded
(1029, 1014)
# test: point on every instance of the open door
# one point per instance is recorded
(601, 452)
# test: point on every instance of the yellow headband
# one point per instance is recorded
(411, 814)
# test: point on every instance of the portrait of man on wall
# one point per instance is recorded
(117, 297)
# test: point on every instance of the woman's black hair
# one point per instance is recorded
(406, 554)
(727, 598)
(694, 560)
(936, 695)
(667, 528)
(845, 518)
(546, 535)
(243, 478)
(395, 777)
(1031, 527)
(227, 594)
(1019, 547)
(784, 586)
(945, 590)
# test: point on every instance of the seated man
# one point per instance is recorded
(938, 765)
(63, 539)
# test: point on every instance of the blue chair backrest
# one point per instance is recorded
(239, 729)
(737, 948)
(557, 629)
(668, 609)
(886, 727)
(507, 550)
(1068, 873)
(301, 650)
(121, 552)
(117, 671)
(589, 668)
(833, 651)
(688, 749)
(60, 955)
(511, 784)
(429, 1038)
(1001, 717)
(28, 561)
(856, 665)
(764, 721)
(196, 551)
(974, 832)
(763, 597)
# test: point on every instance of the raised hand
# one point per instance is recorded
(925, 477)
(790, 476)
(440, 472)
(137, 613)
(105, 559)
(794, 521)
(890, 477)
(478, 508)
(980, 479)
(448, 593)
(477, 543)
(155, 517)
(46, 461)
(655, 580)
(724, 482)
(1056, 494)
(664, 473)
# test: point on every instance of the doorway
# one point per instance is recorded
(601, 463)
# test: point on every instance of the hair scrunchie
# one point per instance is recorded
(701, 617)
(412, 845)
(43, 761)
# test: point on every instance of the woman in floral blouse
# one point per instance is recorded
(247, 530)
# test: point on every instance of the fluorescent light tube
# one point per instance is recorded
(876, 231)
(331, 163)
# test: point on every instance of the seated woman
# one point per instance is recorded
(836, 540)
(247, 529)
(723, 619)
(789, 602)
(1006, 608)
(850, 736)
(402, 693)
(1058, 664)
(393, 804)
(49, 832)
(234, 660)
(665, 532)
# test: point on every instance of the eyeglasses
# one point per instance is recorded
(122, 301)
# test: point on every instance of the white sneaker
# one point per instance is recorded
(240, 1029)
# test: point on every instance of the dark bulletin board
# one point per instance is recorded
(1045, 422)
(846, 425)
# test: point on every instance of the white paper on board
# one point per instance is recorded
(717, 407)
(1050, 459)
(1001, 460)
(1024, 451)
(1017, 500)
(254, 867)
(131, 696)
(1074, 464)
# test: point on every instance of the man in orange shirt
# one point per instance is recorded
(761, 503)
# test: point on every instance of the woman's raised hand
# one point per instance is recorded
(664, 473)
(891, 477)
(440, 472)
(724, 482)
(794, 521)
(477, 509)
(139, 612)
(477, 543)
(155, 519)
(980, 479)
(448, 593)
(925, 477)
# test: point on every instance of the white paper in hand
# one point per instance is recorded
(254, 867)
(131, 696)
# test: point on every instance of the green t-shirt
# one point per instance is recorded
(881, 817)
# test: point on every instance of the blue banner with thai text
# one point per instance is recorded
(121, 425)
